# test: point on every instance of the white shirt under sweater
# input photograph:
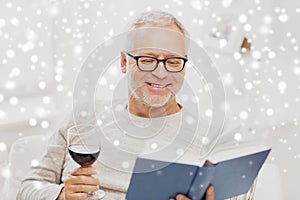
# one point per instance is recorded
(174, 138)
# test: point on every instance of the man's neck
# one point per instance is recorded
(136, 107)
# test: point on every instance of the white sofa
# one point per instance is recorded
(26, 151)
(3, 167)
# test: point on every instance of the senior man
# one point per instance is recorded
(154, 62)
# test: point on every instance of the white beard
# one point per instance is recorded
(152, 102)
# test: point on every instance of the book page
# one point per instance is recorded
(227, 153)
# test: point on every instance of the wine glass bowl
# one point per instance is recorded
(84, 147)
(84, 155)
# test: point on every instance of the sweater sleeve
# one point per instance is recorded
(44, 181)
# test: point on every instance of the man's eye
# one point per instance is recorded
(174, 62)
(147, 60)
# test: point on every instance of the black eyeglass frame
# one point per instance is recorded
(158, 61)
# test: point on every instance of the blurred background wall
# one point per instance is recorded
(43, 44)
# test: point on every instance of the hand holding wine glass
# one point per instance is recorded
(84, 147)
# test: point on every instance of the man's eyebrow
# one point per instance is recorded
(158, 54)
(148, 53)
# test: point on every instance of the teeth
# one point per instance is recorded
(157, 86)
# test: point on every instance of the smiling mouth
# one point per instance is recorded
(157, 85)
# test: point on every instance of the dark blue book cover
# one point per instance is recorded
(153, 179)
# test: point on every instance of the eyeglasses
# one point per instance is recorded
(149, 64)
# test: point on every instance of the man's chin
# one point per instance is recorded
(156, 102)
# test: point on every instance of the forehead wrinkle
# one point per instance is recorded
(168, 38)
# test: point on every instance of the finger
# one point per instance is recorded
(210, 193)
(84, 171)
(83, 180)
(181, 197)
(76, 196)
(82, 188)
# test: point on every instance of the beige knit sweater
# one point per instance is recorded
(115, 164)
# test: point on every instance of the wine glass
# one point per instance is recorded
(84, 147)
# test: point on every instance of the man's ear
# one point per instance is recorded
(123, 62)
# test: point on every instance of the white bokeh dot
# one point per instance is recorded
(267, 19)
(99, 122)
(247, 27)
(208, 112)
(125, 165)
(116, 142)
(5, 172)
(179, 152)
(243, 18)
(111, 87)
(270, 112)
(58, 78)
(190, 120)
(42, 85)
(32, 122)
(60, 88)
(15, 72)
(271, 55)
(153, 146)
(34, 58)
(226, 3)
(15, 21)
(283, 17)
(45, 124)
(248, 86)
(205, 140)
(46, 99)
(34, 163)
(296, 70)
(238, 136)
(222, 43)
(10, 53)
(159, 172)
(256, 54)
(282, 86)
(103, 81)
(38, 185)
(10, 85)
(13, 100)
(197, 4)
(237, 55)
(243, 115)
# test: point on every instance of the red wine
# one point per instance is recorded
(84, 155)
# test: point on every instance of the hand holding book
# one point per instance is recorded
(210, 195)
(230, 178)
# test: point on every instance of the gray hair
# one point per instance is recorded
(160, 18)
(157, 18)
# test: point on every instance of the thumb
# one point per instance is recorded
(210, 193)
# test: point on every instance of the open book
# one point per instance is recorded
(163, 180)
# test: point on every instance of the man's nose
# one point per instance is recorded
(160, 72)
